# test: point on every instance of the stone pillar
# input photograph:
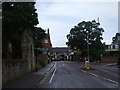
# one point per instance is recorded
(28, 51)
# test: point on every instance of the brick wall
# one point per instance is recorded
(109, 59)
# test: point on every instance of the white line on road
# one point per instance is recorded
(51, 69)
(83, 71)
(63, 64)
(52, 75)
(115, 68)
(94, 74)
(102, 78)
(110, 80)
(42, 81)
(55, 64)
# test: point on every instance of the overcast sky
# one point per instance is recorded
(60, 17)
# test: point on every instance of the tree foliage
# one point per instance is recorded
(39, 34)
(86, 32)
(16, 18)
(116, 38)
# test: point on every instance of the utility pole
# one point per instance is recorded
(87, 61)
(98, 19)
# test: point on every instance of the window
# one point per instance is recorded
(46, 41)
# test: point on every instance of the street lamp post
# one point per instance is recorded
(88, 47)
(87, 61)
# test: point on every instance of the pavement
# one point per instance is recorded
(29, 81)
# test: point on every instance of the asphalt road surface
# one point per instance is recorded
(67, 74)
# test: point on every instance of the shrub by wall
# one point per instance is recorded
(42, 60)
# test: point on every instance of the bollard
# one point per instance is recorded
(87, 65)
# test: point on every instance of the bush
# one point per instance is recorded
(110, 53)
(42, 61)
(76, 57)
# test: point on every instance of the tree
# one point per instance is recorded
(39, 34)
(16, 18)
(86, 32)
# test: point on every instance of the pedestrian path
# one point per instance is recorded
(30, 80)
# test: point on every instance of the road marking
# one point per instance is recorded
(52, 75)
(46, 75)
(105, 78)
(43, 80)
(63, 64)
(50, 70)
(102, 78)
(83, 71)
(115, 68)
(94, 74)
(110, 80)
(54, 65)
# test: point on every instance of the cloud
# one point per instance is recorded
(60, 17)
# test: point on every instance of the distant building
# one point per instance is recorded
(46, 49)
(65, 53)
(114, 46)
(47, 46)
(60, 53)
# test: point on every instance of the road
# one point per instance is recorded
(110, 72)
(67, 74)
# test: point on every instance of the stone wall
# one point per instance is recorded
(13, 71)
(28, 50)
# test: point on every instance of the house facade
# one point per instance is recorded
(46, 47)
(113, 49)
(115, 45)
